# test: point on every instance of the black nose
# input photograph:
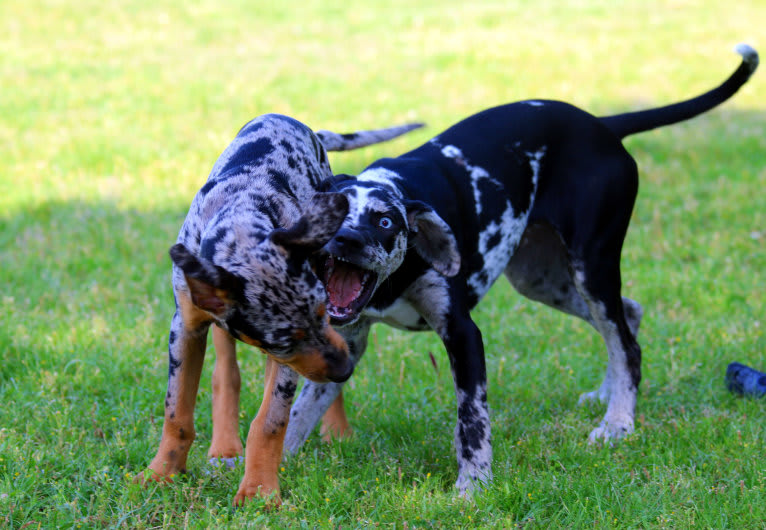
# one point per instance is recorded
(342, 374)
(348, 240)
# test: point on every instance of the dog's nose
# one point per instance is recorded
(341, 375)
(348, 239)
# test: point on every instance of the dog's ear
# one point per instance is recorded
(331, 184)
(322, 217)
(432, 238)
(213, 288)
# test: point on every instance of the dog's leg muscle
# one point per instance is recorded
(472, 432)
(225, 444)
(312, 403)
(624, 364)
(432, 298)
(186, 354)
(263, 450)
(316, 399)
(334, 422)
(633, 314)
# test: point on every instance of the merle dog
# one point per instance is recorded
(539, 190)
(241, 263)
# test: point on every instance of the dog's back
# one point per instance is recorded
(272, 165)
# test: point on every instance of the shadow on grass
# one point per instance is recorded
(76, 273)
(72, 265)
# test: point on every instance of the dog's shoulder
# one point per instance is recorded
(273, 164)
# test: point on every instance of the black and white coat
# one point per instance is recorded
(539, 191)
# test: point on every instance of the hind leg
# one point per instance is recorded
(540, 270)
(599, 283)
(633, 314)
(225, 445)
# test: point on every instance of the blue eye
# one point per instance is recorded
(385, 222)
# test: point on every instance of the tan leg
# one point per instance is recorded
(263, 450)
(334, 422)
(226, 388)
(187, 353)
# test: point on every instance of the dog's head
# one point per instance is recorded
(373, 240)
(268, 294)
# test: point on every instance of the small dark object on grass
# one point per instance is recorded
(744, 380)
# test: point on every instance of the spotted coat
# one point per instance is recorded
(241, 263)
(538, 190)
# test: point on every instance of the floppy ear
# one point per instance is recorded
(213, 288)
(432, 238)
(331, 183)
(322, 217)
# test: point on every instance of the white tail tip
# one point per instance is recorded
(749, 55)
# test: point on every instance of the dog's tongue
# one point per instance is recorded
(344, 285)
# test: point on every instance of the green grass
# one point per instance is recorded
(111, 116)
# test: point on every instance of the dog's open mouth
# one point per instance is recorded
(349, 286)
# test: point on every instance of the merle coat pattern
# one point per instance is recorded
(540, 191)
(241, 263)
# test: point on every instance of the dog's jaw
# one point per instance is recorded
(349, 288)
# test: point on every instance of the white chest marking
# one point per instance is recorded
(400, 314)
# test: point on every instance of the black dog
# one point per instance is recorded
(539, 190)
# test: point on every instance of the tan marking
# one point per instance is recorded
(335, 424)
(209, 298)
(251, 342)
(178, 429)
(193, 317)
(299, 334)
(263, 450)
(309, 363)
(334, 338)
(322, 310)
(226, 389)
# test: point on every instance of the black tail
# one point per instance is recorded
(634, 122)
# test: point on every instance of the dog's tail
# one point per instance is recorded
(634, 122)
(345, 142)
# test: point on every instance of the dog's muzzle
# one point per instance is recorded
(349, 284)
(349, 288)
(341, 374)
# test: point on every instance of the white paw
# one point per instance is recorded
(608, 431)
(468, 486)
(292, 442)
(225, 463)
(600, 395)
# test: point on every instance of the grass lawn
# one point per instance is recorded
(111, 116)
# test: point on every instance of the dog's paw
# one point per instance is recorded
(608, 431)
(596, 396)
(467, 486)
(224, 463)
(331, 432)
(601, 395)
(269, 494)
(149, 476)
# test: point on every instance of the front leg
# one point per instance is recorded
(472, 432)
(335, 424)
(444, 308)
(225, 445)
(312, 403)
(263, 450)
(187, 343)
(325, 399)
